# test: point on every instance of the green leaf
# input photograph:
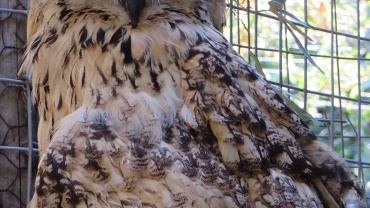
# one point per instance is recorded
(286, 22)
(285, 93)
(305, 24)
(276, 8)
(258, 63)
(304, 51)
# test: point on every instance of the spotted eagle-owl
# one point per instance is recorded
(143, 103)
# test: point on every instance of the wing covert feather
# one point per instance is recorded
(253, 125)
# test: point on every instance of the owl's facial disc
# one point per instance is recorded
(134, 8)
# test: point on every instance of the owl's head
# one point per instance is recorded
(134, 8)
(215, 9)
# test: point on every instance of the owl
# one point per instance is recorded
(144, 103)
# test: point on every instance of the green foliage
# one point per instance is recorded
(345, 120)
(277, 9)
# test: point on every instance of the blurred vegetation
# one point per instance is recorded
(342, 104)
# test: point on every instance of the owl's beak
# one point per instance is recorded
(134, 8)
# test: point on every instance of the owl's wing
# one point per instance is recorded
(256, 131)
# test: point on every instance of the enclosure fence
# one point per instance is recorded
(337, 94)
(339, 97)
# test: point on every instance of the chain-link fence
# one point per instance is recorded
(338, 99)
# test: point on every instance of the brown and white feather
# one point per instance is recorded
(165, 114)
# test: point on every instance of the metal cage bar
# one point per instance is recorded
(24, 179)
(30, 148)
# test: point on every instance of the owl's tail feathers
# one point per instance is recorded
(333, 176)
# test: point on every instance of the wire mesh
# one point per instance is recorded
(15, 107)
(339, 98)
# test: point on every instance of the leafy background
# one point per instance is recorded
(339, 97)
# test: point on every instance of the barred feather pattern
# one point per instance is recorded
(165, 114)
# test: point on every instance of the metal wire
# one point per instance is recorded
(255, 24)
(15, 11)
(30, 148)
(251, 26)
(16, 146)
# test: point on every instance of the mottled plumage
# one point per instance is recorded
(146, 104)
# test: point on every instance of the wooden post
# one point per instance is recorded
(13, 108)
